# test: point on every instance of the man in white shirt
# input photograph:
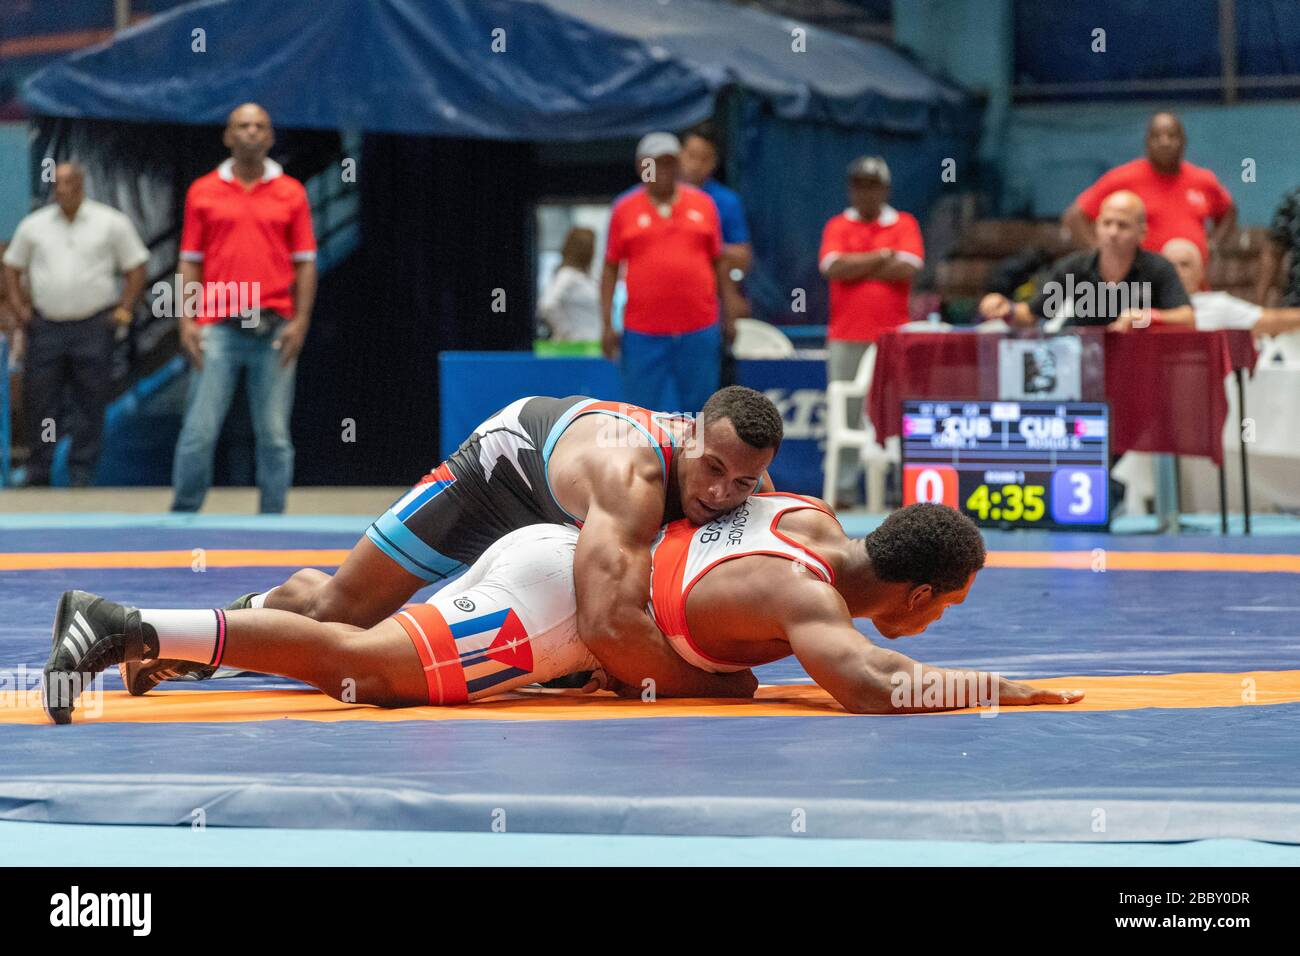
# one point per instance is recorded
(72, 253)
(1219, 310)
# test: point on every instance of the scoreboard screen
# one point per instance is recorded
(1021, 464)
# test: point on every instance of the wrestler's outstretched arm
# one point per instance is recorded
(611, 573)
(867, 679)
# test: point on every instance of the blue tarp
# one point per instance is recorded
(445, 68)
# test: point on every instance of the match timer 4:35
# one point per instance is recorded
(1010, 464)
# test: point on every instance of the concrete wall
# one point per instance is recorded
(15, 178)
(970, 41)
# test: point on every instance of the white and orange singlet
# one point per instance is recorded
(683, 553)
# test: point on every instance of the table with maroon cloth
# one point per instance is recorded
(1164, 384)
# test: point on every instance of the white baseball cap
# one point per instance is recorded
(658, 144)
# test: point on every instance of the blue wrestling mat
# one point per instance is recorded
(1163, 610)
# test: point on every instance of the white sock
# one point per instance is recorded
(259, 600)
(198, 636)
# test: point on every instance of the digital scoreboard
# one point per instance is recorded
(1014, 464)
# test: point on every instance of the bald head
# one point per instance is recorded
(1121, 224)
(248, 110)
(70, 171)
(69, 187)
(1166, 141)
(1127, 203)
(1186, 258)
(248, 135)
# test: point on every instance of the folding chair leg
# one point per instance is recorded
(830, 468)
(876, 487)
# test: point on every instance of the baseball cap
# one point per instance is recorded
(869, 167)
(658, 144)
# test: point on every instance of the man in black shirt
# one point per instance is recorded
(1119, 284)
(1284, 237)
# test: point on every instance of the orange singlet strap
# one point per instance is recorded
(428, 631)
(668, 578)
(644, 419)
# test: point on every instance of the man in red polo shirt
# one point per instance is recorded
(869, 254)
(669, 235)
(1178, 196)
(247, 243)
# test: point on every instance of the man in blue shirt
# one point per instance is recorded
(696, 164)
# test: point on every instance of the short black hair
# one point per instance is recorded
(755, 418)
(706, 131)
(927, 544)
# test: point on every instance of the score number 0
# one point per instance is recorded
(928, 483)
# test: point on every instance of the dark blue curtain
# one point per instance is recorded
(444, 225)
(790, 175)
(1146, 41)
(1053, 40)
(1268, 43)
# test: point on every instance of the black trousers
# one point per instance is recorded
(75, 356)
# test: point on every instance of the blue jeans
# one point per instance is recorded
(672, 373)
(227, 349)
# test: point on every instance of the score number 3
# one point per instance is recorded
(1079, 495)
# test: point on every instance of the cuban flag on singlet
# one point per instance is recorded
(430, 486)
(493, 648)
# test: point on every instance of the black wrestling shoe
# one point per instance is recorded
(140, 677)
(90, 633)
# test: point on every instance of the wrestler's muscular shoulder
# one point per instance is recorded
(813, 529)
(586, 464)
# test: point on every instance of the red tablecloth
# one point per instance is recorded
(1164, 385)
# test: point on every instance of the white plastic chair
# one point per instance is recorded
(924, 325)
(1285, 346)
(1137, 470)
(840, 437)
(760, 340)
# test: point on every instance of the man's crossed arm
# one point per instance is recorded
(880, 264)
